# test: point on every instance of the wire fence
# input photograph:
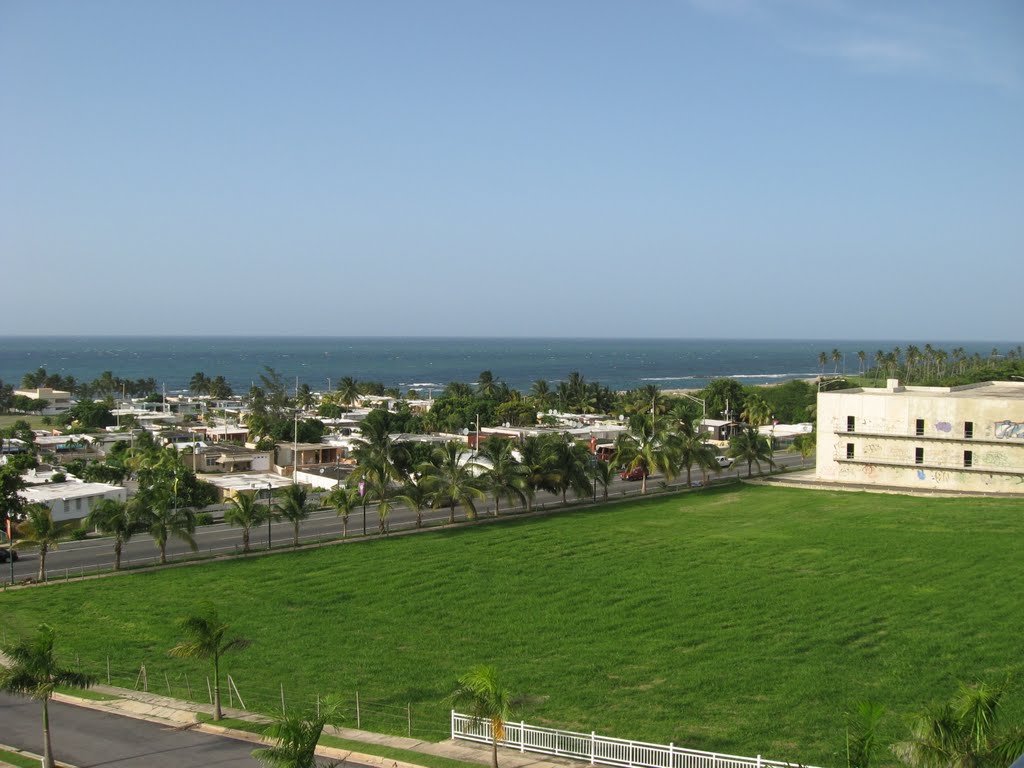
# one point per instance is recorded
(244, 691)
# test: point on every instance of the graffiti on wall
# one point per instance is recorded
(1006, 430)
(943, 426)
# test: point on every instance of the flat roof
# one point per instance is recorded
(998, 390)
(247, 481)
(54, 491)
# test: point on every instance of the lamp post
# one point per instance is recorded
(703, 405)
(270, 516)
(362, 495)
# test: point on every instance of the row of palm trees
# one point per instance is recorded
(925, 363)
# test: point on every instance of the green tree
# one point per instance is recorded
(413, 496)
(39, 529)
(481, 693)
(348, 391)
(749, 446)
(505, 477)
(294, 507)
(604, 472)
(244, 511)
(964, 732)
(207, 638)
(296, 736)
(566, 466)
(756, 411)
(117, 519)
(691, 450)
(164, 519)
(344, 499)
(648, 445)
(34, 671)
(449, 481)
(199, 384)
(724, 397)
(862, 737)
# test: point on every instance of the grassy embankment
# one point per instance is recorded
(746, 621)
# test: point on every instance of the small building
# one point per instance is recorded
(291, 456)
(222, 433)
(71, 500)
(227, 458)
(259, 483)
(966, 439)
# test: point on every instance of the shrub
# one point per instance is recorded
(204, 518)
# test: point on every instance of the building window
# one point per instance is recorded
(919, 455)
(968, 430)
(919, 427)
(968, 458)
(851, 424)
(849, 450)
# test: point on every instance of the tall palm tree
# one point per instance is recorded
(648, 445)
(294, 507)
(245, 512)
(505, 477)
(207, 638)
(344, 499)
(117, 519)
(34, 671)
(541, 394)
(963, 732)
(39, 528)
(691, 450)
(749, 446)
(862, 356)
(604, 473)
(533, 458)
(756, 411)
(836, 357)
(199, 384)
(481, 692)
(165, 520)
(296, 736)
(486, 384)
(450, 482)
(862, 739)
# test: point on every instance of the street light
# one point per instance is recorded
(270, 516)
(703, 405)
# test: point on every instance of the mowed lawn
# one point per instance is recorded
(747, 621)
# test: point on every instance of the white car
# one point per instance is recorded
(725, 461)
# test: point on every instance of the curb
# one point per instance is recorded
(31, 756)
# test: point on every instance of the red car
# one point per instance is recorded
(637, 473)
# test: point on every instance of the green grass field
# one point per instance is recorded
(744, 620)
(35, 421)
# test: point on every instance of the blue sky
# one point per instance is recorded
(733, 168)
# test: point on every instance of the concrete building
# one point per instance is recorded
(967, 439)
(71, 500)
(57, 401)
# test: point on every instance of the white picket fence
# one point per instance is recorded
(603, 749)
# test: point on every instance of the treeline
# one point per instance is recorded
(930, 366)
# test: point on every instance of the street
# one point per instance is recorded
(85, 738)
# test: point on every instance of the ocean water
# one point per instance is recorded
(424, 363)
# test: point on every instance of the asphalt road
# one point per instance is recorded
(75, 558)
(85, 738)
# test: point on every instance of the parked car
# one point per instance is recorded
(6, 554)
(637, 473)
(725, 461)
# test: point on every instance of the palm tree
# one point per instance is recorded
(505, 477)
(344, 499)
(486, 384)
(822, 359)
(962, 733)
(118, 519)
(862, 741)
(294, 507)
(533, 452)
(413, 496)
(691, 450)
(450, 482)
(34, 671)
(861, 357)
(749, 446)
(648, 445)
(756, 411)
(39, 528)
(296, 736)
(245, 512)
(304, 398)
(165, 520)
(541, 394)
(836, 357)
(199, 384)
(207, 639)
(566, 463)
(487, 700)
(604, 473)
(348, 390)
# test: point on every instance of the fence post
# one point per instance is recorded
(758, 761)
(283, 713)
(209, 690)
(522, 736)
(318, 705)
(188, 687)
(231, 698)
(108, 670)
(408, 715)
(453, 723)
(593, 745)
(168, 681)
(358, 725)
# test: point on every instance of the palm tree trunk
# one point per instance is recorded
(494, 752)
(163, 551)
(216, 688)
(295, 532)
(688, 470)
(117, 555)
(643, 485)
(497, 500)
(750, 470)
(42, 562)
(47, 747)
(245, 540)
(451, 514)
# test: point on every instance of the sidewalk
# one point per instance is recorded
(176, 713)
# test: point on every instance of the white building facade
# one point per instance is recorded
(968, 438)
